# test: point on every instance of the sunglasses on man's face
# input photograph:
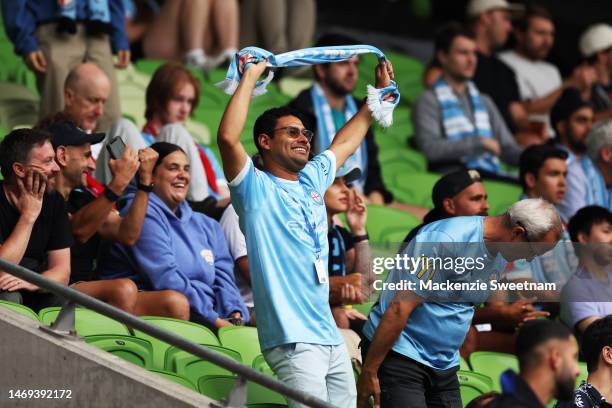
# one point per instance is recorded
(294, 132)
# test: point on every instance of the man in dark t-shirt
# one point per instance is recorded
(34, 228)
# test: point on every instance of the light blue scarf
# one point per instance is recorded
(458, 126)
(382, 110)
(326, 130)
(597, 192)
(99, 11)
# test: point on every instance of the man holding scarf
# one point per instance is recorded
(53, 36)
(283, 217)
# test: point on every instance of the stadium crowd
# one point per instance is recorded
(279, 240)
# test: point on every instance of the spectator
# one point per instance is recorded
(489, 20)
(277, 25)
(455, 125)
(54, 37)
(297, 332)
(543, 171)
(328, 105)
(593, 186)
(34, 225)
(460, 193)
(539, 82)
(172, 96)
(586, 296)
(349, 265)
(403, 348)
(596, 391)
(572, 119)
(203, 34)
(95, 219)
(179, 249)
(596, 47)
(548, 362)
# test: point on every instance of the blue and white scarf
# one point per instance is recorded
(458, 126)
(382, 110)
(326, 130)
(597, 192)
(98, 12)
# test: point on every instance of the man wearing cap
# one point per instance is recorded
(572, 119)
(590, 178)
(95, 219)
(414, 332)
(34, 228)
(596, 47)
(491, 24)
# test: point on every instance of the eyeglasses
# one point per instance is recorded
(529, 242)
(294, 132)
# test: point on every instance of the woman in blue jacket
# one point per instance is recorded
(180, 249)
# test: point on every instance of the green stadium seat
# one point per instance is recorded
(584, 373)
(189, 330)
(216, 387)
(463, 365)
(21, 309)
(383, 219)
(415, 188)
(472, 385)
(193, 367)
(501, 195)
(493, 364)
(242, 339)
(132, 349)
(18, 106)
(175, 378)
(364, 308)
(258, 394)
(87, 322)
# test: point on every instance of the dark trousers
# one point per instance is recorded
(409, 384)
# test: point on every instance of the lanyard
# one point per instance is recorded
(312, 227)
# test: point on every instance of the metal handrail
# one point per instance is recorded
(126, 318)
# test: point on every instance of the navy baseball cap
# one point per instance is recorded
(350, 171)
(67, 133)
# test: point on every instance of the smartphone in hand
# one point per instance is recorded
(116, 147)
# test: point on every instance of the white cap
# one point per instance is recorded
(597, 37)
(475, 7)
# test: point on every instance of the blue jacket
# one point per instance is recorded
(187, 254)
(21, 17)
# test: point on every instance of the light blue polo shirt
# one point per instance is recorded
(436, 329)
(292, 305)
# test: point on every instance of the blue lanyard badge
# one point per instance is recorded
(312, 231)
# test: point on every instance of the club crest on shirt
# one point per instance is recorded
(315, 196)
(208, 256)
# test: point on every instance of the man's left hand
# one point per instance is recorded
(384, 74)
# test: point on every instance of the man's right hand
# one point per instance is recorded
(491, 145)
(31, 191)
(253, 71)
(123, 170)
(36, 61)
(368, 386)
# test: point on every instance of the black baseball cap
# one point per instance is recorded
(67, 133)
(452, 184)
(568, 103)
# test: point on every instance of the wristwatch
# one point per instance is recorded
(359, 238)
(110, 195)
(147, 188)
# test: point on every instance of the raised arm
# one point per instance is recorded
(232, 152)
(349, 138)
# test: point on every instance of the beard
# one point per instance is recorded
(564, 387)
(336, 87)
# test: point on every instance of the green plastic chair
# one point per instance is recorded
(472, 385)
(21, 309)
(129, 348)
(258, 394)
(193, 368)
(381, 219)
(87, 322)
(189, 330)
(493, 364)
(463, 365)
(175, 378)
(501, 195)
(242, 339)
(415, 187)
(364, 308)
(216, 387)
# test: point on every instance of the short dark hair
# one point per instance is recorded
(532, 159)
(447, 34)
(165, 84)
(164, 149)
(16, 147)
(535, 333)
(532, 11)
(266, 122)
(597, 336)
(330, 40)
(585, 218)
